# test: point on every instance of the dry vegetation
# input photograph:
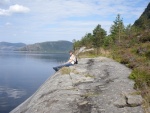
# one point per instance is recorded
(137, 57)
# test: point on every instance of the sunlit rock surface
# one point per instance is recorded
(98, 85)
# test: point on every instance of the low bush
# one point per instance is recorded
(141, 78)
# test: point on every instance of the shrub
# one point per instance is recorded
(147, 55)
(141, 77)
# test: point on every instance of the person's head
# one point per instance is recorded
(70, 52)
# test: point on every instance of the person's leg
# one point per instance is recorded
(55, 68)
(60, 66)
(68, 64)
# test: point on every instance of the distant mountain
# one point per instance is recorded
(144, 21)
(51, 46)
(10, 46)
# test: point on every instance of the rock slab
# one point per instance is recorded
(95, 85)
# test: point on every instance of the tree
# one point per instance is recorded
(117, 29)
(108, 41)
(128, 30)
(87, 40)
(76, 44)
(98, 37)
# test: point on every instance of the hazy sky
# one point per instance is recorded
(31, 21)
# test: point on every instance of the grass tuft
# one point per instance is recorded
(88, 75)
(65, 70)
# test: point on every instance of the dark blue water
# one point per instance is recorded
(21, 74)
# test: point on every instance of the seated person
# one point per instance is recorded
(70, 62)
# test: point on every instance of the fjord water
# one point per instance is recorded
(21, 74)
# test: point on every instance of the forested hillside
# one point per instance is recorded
(10, 46)
(129, 45)
(52, 46)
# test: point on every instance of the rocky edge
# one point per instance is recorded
(95, 85)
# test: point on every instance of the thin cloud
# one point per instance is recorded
(18, 9)
(55, 10)
(4, 2)
(14, 9)
(8, 24)
(68, 19)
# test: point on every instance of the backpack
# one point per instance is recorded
(76, 62)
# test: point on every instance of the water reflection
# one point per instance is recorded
(58, 57)
(11, 93)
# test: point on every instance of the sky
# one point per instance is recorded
(33, 21)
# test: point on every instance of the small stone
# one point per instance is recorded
(134, 100)
(83, 103)
(120, 103)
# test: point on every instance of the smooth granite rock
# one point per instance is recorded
(95, 85)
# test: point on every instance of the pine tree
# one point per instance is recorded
(128, 31)
(98, 37)
(117, 29)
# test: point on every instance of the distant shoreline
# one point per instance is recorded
(38, 52)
